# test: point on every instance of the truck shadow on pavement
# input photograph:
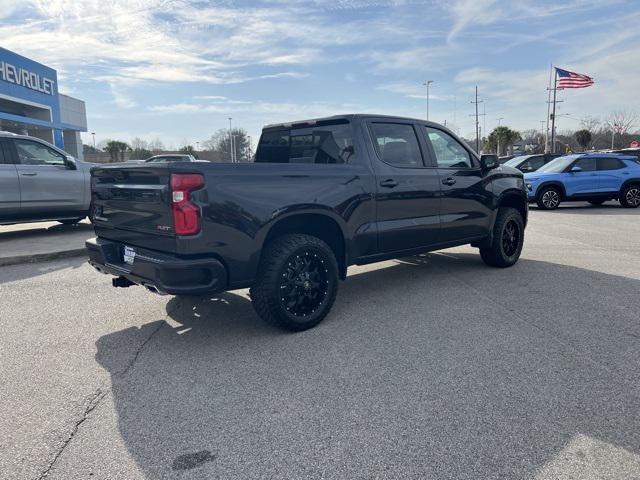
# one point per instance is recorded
(430, 367)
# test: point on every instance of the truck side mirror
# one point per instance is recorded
(70, 162)
(489, 162)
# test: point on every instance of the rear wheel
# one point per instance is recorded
(549, 198)
(508, 239)
(297, 282)
(596, 203)
(630, 196)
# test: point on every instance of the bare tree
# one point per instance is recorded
(138, 144)
(590, 123)
(622, 121)
(155, 145)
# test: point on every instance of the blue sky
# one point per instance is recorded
(176, 69)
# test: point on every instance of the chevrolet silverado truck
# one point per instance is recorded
(320, 196)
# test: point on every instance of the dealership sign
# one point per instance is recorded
(25, 78)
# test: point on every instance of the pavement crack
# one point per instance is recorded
(140, 349)
(93, 401)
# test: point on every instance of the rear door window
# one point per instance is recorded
(397, 144)
(323, 143)
(609, 164)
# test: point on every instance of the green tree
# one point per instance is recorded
(188, 149)
(583, 137)
(115, 147)
(501, 139)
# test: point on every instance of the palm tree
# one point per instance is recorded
(583, 137)
(501, 138)
(115, 147)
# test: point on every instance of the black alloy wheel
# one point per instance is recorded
(304, 284)
(510, 238)
(297, 282)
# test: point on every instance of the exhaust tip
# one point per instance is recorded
(121, 282)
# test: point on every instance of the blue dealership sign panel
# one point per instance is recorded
(29, 94)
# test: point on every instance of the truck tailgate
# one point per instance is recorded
(132, 204)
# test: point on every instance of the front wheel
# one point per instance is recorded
(297, 282)
(630, 197)
(549, 198)
(508, 239)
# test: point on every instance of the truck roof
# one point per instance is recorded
(347, 116)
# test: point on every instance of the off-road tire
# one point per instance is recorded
(274, 276)
(503, 253)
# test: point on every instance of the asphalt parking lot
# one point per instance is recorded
(428, 367)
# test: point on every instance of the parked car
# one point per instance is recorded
(591, 177)
(39, 182)
(322, 195)
(531, 163)
(172, 157)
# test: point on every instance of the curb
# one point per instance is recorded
(42, 257)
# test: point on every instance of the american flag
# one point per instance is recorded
(567, 79)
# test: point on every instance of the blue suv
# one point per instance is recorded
(591, 177)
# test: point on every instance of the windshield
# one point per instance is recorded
(559, 164)
(514, 162)
(166, 159)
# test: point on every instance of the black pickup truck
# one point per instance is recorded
(321, 195)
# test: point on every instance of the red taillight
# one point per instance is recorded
(186, 215)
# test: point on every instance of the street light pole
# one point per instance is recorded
(230, 141)
(427, 83)
(94, 141)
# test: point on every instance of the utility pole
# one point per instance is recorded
(484, 119)
(477, 122)
(427, 83)
(230, 141)
(498, 137)
(94, 141)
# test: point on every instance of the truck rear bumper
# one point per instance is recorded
(157, 271)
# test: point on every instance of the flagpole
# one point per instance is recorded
(546, 133)
(553, 117)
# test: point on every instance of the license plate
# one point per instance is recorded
(128, 255)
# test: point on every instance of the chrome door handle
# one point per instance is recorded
(449, 181)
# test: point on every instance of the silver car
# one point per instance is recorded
(40, 182)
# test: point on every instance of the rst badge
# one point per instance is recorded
(128, 255)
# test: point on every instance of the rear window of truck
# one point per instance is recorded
(322, 143)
